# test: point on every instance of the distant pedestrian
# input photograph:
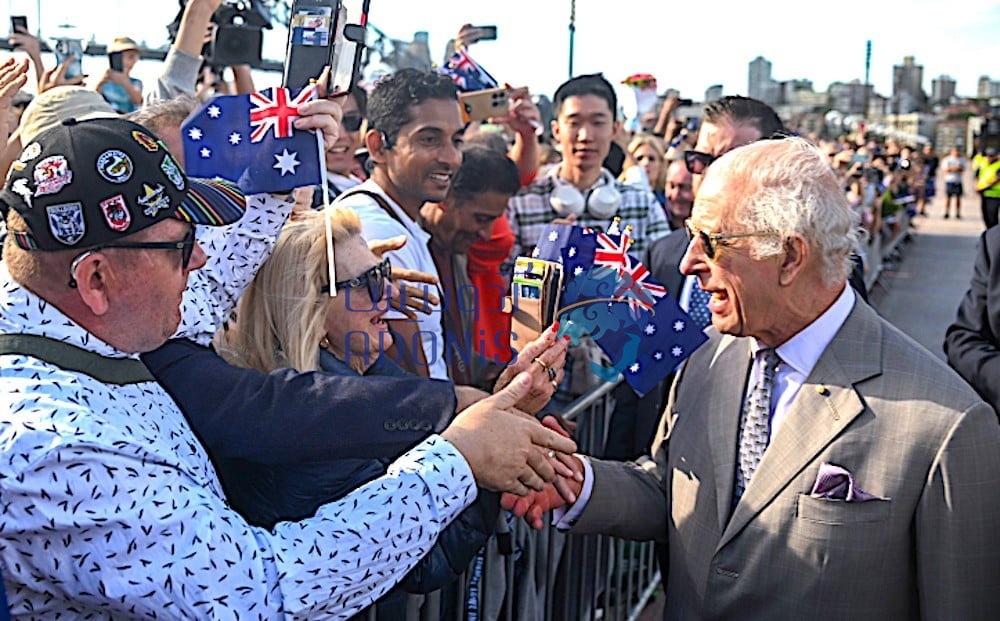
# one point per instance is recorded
(988, 185)
(954, 170)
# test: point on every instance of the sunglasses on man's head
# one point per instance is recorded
(697, 161)
(374, 278)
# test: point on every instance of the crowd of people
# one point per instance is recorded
(305, 404)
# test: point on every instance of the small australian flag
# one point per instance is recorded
(250, 140)
(609, 294)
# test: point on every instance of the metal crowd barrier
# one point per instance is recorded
(884, 249)
(549, 575)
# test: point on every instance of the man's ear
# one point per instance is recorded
(554, 126)
(93, 276)
(375, 143)
(794, 260)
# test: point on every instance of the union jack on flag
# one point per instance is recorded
(276, 111)
(637, 290)
(612, 254)
(467, 74)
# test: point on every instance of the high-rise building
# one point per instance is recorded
(987, 88)
(942, 89)
(713, 93)
(907, 87)
(759, 83)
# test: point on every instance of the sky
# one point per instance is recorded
(670, 40)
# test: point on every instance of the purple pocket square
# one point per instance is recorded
(836, 483)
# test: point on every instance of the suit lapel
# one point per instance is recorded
(724, 406)
(825, 405)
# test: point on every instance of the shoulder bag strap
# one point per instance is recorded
(119, 371)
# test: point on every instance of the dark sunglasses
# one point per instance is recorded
(375, 278)
(351, 122)
(185, 245)
(697, 161)
(711, 241)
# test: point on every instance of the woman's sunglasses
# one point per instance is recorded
(374, 278)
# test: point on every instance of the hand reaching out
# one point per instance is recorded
(544, 358)
(415, 298)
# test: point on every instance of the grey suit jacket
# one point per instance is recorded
(878, 404)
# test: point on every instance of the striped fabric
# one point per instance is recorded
(213, 202)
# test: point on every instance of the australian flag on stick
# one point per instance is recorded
(467, 74)
(610, 295)
(250, 140)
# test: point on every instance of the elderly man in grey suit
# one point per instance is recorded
(812, 462)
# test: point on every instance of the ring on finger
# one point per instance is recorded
(552, 373)
(542, 362)
(551, 454)
(555, 385)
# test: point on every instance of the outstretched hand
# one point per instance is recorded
(508, 450)
(407, 298)
(544, 358)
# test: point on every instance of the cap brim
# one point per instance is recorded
(212, 202)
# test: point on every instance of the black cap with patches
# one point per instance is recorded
(86, 183)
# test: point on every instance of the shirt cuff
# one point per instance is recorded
(443, 468)
(565, 518)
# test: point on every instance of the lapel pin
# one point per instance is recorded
(823, 391)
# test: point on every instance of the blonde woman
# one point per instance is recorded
(647, 153)
(287, 317)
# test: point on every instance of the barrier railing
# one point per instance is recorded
(549, 575)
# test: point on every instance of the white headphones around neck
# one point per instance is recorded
(602, 202)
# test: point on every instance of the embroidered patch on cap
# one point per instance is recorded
(154, 199)
(66, 222)
(172, 171)
(20, 187)
(148, 142)
(116, 213)
(51, 175)
(115, 166)
(30, 152)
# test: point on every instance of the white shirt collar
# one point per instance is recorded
(802, 351)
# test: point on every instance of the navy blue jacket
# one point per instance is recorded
(289, 417)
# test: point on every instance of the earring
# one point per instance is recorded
(324, 343)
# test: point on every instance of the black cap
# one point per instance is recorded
(86, 183)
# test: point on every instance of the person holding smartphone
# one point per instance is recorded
(119, 89)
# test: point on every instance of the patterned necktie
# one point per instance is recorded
(755, 422)
(698, 305)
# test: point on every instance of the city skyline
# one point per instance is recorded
(684, 51)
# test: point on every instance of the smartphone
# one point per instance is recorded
(488, 33)
(18, 23)
(70, 47)
(321, 33)
(484, 104)
(116, 62)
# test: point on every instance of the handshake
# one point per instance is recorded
(507, 448)
(532, 463)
